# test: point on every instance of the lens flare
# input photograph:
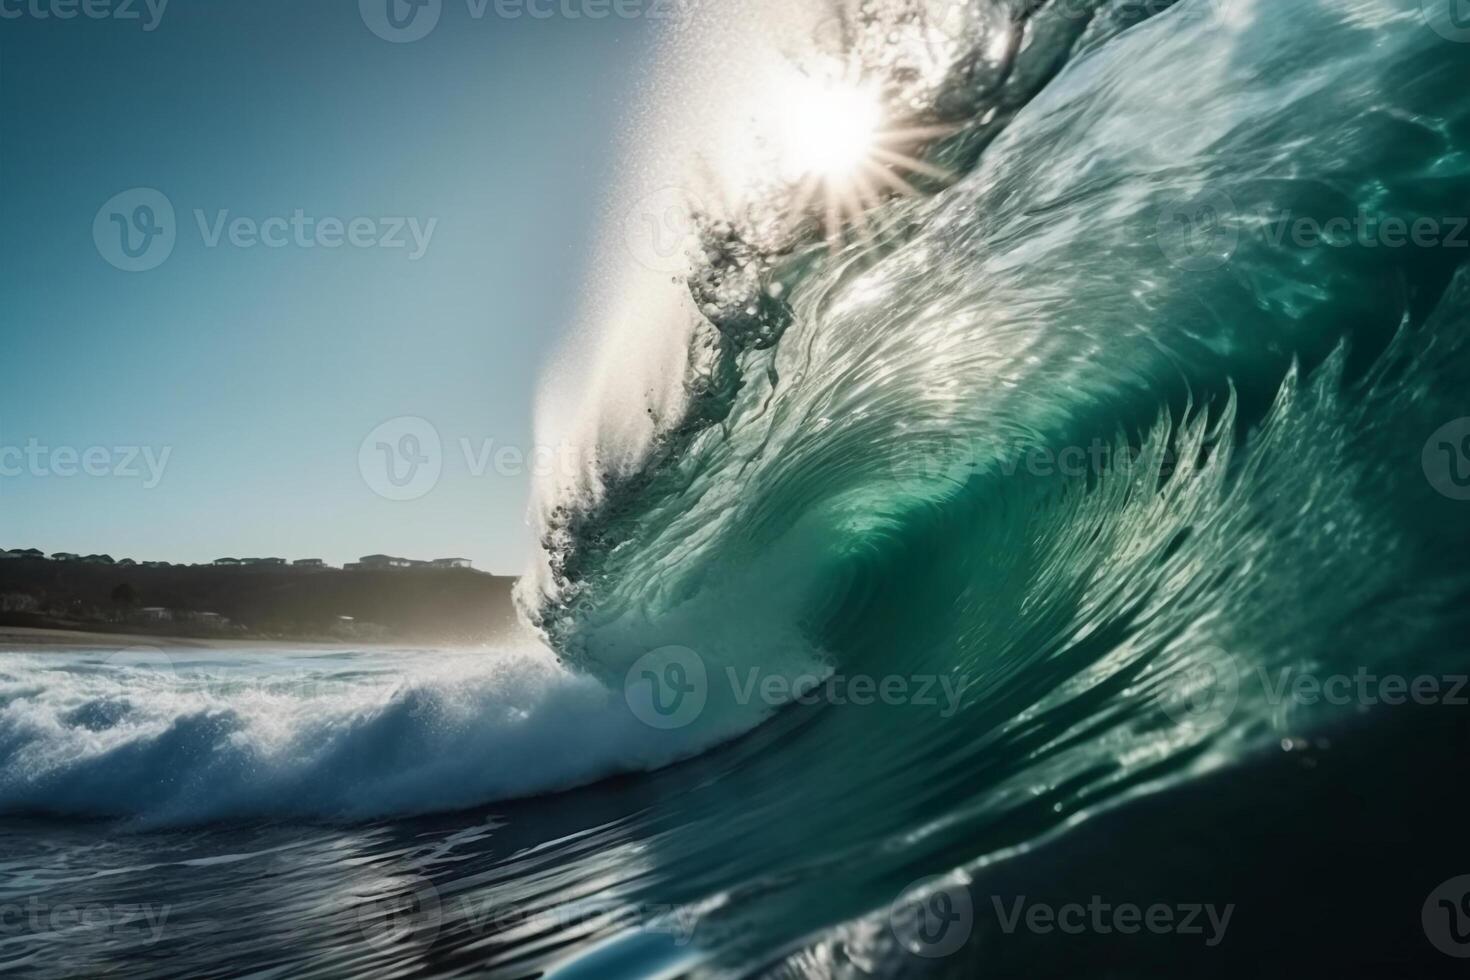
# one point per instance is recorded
(840, 152)
(831, 129)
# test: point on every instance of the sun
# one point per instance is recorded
(841, 153)
(830, 129)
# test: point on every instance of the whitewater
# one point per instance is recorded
(1076, 434)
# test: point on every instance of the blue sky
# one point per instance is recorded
(261, 370)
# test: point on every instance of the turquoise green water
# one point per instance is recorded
(1095, 528)
(1100, 432)
(1096, 421)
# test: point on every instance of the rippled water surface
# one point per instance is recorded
(973, 559)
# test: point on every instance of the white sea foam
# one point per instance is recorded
(183, 738)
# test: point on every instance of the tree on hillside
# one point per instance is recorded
(124, 595)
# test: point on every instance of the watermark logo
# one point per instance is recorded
(662, 229)
(401, 459)
(135, 230)
(1203, 694)
(1450, 19)
(405, 457)
(408, 912)
(1446, 459)
(932, 460)
(1446, 917)
(667, 688)
(1199, 233)
(401, 21)
(933, 917)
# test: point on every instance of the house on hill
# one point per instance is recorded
(373, 562)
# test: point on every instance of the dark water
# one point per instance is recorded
(1327, 858)
(1068, 579)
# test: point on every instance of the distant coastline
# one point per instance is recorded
(380, 599)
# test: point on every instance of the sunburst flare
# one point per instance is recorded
(843, 155)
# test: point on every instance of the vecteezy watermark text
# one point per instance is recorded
(1105, 918)
(1202, 232)
(149, 12)
(136, 230)
(404, 21)
(1205, 692)
(669, 687)
(305, 231)
(122, 462)
(941, 691)
(142, 923)
(1364, 687)
(190, 677)
(411, 910)
(934, 917)
(404, 457)
(953, 458)
(1365, 230)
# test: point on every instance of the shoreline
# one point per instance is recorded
(29, 639)
(256, 606)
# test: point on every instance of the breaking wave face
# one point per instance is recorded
(1086, 427)
(1072, 424)
(1080, 424)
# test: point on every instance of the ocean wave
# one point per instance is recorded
(163, 739)
(1080, 431)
